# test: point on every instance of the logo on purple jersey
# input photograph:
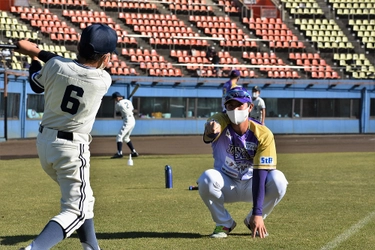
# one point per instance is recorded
(251, 146)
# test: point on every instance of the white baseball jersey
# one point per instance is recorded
(257, 110)
(72, 99)
(125, 107)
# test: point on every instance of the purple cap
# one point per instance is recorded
(234, 73)
(239, 94)
(98, 39)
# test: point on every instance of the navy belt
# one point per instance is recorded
(60, 134)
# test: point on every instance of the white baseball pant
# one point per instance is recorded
(216, 189)
(125, 131)
(68, 163)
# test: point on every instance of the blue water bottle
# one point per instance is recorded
(168, 177)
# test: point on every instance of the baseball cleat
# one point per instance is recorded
(257, 233)
(116, 156)
(222, 232)
(135, 154)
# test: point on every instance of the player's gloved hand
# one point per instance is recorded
(212, 129)
(257, 226)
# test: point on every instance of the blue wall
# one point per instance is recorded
(211, 87)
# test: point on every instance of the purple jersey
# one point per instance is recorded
(237, 155)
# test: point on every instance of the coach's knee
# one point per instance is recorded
(210, 183)
(276, 183)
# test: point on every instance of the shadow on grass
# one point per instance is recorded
(12, 240)
(134, 235)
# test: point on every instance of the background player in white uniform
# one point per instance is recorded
(125, 108)
(259, 110)
(73, 90)
(245, 161)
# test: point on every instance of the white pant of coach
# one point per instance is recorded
(216, 189)
(68, 163)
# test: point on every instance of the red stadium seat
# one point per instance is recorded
(177, 72)
(295, 75)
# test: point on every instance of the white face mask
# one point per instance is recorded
(255, 95)
(238, 116)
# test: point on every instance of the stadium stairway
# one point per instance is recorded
(166, 52)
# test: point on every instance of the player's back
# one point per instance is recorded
(73, 94)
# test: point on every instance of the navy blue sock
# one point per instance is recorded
(86, 234)
(119, 146)
(130, 145)
(50, 236)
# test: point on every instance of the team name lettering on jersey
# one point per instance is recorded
(251, 146)
(266, 160)
(238, 153)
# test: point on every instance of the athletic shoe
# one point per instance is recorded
(135, 154)
(248, 226)
(116, 156)
(222, 232)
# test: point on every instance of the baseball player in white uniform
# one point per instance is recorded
(125, 108)
(259, 110)
(73, 90)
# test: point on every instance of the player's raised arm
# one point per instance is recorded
(214, 126)
(27, 48)
(211, 130)
(31, 49)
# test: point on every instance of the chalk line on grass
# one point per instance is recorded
(348, 233)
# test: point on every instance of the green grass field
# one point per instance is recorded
(330, 204)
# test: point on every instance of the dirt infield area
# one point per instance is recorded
(170, 145)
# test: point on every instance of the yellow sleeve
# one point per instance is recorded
(233, 84)
(265, 157)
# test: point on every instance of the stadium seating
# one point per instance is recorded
(311, 63)
(275, 31)
(155, 38)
